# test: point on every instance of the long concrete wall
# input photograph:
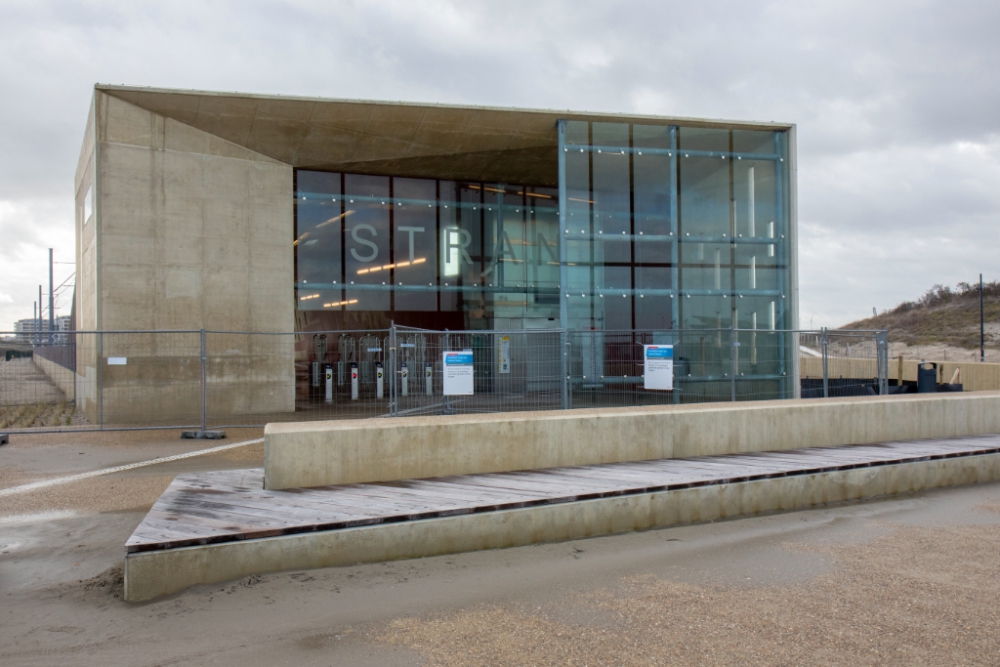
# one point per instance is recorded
(155, 573)
(61, 376)
(346, 452)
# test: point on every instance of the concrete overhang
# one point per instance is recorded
(390, 138)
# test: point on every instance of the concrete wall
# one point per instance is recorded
(974, 376)
(321, 453)
(61, 376)
(87, 303)
(191, 232)
(151, 574)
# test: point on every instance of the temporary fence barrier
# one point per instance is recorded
(203, 379)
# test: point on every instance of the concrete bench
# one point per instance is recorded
(345, 452)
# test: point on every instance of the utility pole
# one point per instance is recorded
(982, 323)
(52, 309)
(38, 337)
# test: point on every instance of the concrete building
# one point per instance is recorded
(257, 213)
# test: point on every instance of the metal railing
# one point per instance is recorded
(202, 379)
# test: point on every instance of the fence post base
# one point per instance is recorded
(203, 435)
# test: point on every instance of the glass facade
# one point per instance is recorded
(675, 227)
(425, 252)
(672, 229)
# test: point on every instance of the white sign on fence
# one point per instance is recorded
(659, 368)
(503, 354)
(458, 373)
(117, 361)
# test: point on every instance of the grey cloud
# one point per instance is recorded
(883, 94)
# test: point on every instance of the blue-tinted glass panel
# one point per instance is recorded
(543, 237)
(460, 211)
(652, 185)
(704, 183)
(367, 260)
(612, 223)
(319, 226)
(706, 266)
(580, 251)
(415, 243)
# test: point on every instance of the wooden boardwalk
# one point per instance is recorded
(229, 506)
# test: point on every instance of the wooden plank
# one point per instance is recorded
(218, 522)
(395, 502)
(616, 475)
(266, 507)
(496, 481)
(442, 488)
(174, 533)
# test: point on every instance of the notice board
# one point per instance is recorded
(659, 368)
(503, 354)
(458, 373)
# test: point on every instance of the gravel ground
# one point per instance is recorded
(914, 597)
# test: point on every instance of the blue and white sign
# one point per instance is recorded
(458, 373)
(659, 368)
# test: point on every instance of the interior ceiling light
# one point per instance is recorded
(333, 219)
(397, 265)
(340, 303)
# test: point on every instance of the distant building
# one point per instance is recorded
(25, 328)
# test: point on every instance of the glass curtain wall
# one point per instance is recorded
(424, 252)
(673, 228)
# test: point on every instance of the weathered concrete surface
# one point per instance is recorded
(152, 574)
(442, 141)
(25, 382)
(347, 452)
(186, 231)
(60, 376)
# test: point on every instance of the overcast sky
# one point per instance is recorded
(897, 105)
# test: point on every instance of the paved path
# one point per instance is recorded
(34, 486)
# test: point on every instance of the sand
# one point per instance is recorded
(939, 352)
(906, 581)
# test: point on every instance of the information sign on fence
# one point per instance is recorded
(503, 354)
(659, 367)
(458, 373)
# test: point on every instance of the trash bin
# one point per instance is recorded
(926, 378)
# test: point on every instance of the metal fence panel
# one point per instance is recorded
(513, 371)
(132, 379)
(844, 363)
(217, 379)
(256, 378)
